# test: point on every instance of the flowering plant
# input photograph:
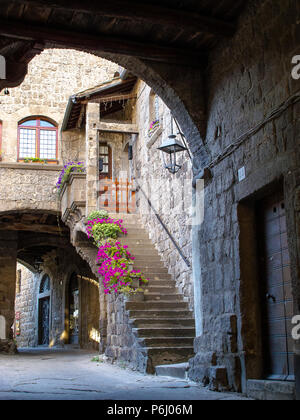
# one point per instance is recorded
(153, 126)
(114, 258)
(69, 168)
(116, 269)
(101, 229)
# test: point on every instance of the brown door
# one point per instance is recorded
(277, 305)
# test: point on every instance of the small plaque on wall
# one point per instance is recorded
(242, 174)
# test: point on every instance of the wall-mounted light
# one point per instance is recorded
(37, 264)
(171, 147)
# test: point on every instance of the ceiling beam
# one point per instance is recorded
(99, 43)
(138, 11)
(34, 227)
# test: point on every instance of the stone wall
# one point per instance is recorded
(53, 76)
(246, 82)
(28, 187)
(171, 195)
(8, 262)
(26, 303)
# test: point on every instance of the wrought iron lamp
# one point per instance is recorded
(171, 147)
(37, 264)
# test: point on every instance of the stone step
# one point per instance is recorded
(163, 297)
(165, 332)
(138, 243)
(148, 259)
(156, 305)
(161, 282)
(160, 289)
(163, 322)
(159, 314)
(178, 342)
(179, 371)
(158, 356)
(153, 271)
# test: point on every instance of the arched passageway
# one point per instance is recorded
(165, 61)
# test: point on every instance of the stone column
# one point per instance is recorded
(103, 319)
(8, 269)
(92, 158)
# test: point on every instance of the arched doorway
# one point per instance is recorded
(74, 309)
(44, 312)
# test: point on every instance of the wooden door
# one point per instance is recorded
(74, 310)
(276, 289)
(44, 319)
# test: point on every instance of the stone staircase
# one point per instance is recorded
(162, 323)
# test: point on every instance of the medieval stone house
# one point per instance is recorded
(225, 72)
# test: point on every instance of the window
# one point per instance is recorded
(45, 285)
(37, 139)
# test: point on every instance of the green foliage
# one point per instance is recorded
(98, 214)
(35, 160)
(104, 231)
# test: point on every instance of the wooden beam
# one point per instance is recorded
(38, 228)
(138, 11)
(99, 43)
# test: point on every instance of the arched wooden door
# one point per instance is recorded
(44, 312)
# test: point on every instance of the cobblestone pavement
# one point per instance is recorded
(42, 374)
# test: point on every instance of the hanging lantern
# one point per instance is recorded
(171, 147)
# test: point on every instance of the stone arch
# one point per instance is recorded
(175, 85)
(170, 82)
(2, 328)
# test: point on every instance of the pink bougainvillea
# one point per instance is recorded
(115, 260)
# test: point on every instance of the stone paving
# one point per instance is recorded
(69, 374)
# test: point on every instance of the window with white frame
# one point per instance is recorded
(37, 138)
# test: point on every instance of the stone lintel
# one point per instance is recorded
(118, 128)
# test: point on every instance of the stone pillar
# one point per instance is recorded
(198, 216)
(8, 268)
(103, 319)
(92, 158)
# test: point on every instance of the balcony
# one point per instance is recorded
(73, 197)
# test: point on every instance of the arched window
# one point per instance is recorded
(37, 138)
(45, 284)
